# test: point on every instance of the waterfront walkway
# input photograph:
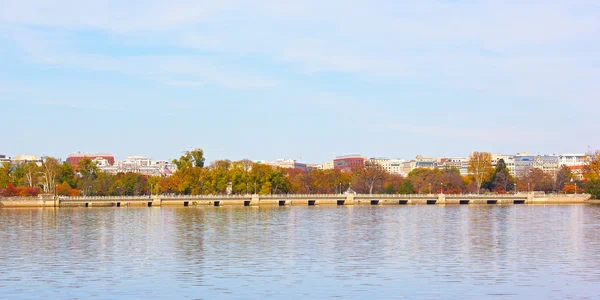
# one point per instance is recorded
(295, 199)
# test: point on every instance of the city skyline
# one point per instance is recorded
(285, 158)
(306, 79)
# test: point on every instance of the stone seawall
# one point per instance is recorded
(48, 200)
(561, 199)
(39, 201)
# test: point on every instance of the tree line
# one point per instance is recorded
(247, 177)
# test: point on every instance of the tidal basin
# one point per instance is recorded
(301, 252)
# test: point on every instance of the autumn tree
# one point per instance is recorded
(424, 180)
(591, 168)
(563, 178)
(51, 170)
(369, 178)
(536, 179)
(219, 176)
(452, 182)
(240, 176)
(88, 169)
(393, 184)
(279, 182)
(32, 172)
(591, 172)
(480, 168)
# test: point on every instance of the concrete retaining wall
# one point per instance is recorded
(304, 200)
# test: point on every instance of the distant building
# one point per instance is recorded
(509, 161)
(314, 167)
(419, 162)
(26, 158)
(577, 172)
(547, 163)
(392, 166)
(286, 164)
(461, 163)
(572, 160)
(4, 158)
(348, 162)
(139, 165)
(328, 165)
(75, 158)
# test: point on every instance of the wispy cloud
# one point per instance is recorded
(447, 43)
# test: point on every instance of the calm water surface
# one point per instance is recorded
(390, 252)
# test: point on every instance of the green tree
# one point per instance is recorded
(219, 176)
(191, 159)
(279, 182)
(407, 188)
(67, 174)
(88, 169)
(501, 180)
(5, 174)
(593, 187)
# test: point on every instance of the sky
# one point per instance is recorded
(306, 80)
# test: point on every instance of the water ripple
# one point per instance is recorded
(391, 252)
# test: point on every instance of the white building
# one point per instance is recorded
(288, 164)
(392, 166)
(314, 166)
(572, 160)
(509, 161)
(461, 163)
(328, 165)
(138, 164)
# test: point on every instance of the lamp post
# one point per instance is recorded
(515, 188)
(429, 192)
(441, 188)
(528, 187)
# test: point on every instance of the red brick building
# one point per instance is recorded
(348, 162)
(75, 158)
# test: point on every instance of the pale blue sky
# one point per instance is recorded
(299, 79)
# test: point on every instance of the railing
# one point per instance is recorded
(283, 196)
(103, 198)
(204, 196)
(317, 196)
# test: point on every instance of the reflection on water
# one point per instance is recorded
(452, 252)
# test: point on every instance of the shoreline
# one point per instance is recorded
(297, 200)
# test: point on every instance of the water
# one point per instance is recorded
(389, 252)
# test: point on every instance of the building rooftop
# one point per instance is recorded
(349, 156)
(87, 154)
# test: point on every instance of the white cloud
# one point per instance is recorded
(513, 48)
